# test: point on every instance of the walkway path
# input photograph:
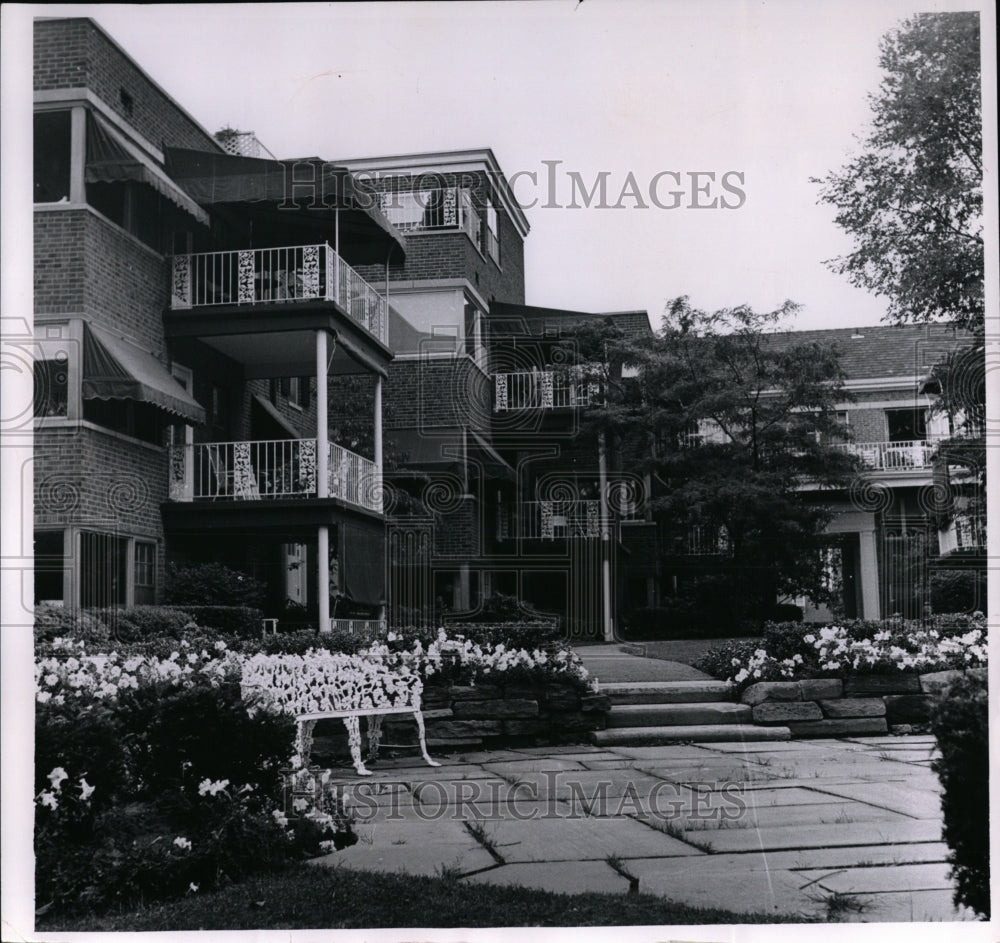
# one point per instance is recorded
(610, 663)
(834, 830)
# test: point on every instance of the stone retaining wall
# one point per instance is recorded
(864, 704)
(486, 715)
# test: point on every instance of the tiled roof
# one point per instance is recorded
(908, 350)
(536, 320)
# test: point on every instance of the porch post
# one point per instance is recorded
(869, 576)
(602, 459)
(322, 480)
(78, 154)
(378, 435)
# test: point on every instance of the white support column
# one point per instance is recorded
(323, 571)
(322, 478)
(322, 421)
(78, 154)
(378, 435)
(869, 576)
(602, 458)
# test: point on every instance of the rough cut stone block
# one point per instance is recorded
(868, 685)
(436, 713)
(523, 728)
(527, 692)
(820, 689)
(478, 692)
(842, 727)
(463, 729)
(595, 702)
(935, 681)
(782, 712)
(772, 691)
(497, 709)
(907, 708)
(568, 703)
(854, 707)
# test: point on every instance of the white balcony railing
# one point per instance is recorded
(436, 209)
(268, 276)
(273, 469)
(706, 540)
(894, 456)
(540, 390)
(549, 520)
(364, 628)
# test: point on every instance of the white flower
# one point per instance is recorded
(56, 777)
(192, 888)
(327, 846)
(86, 790)
(48, 799)
(182, 843)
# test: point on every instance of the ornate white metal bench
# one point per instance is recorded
(323, 685)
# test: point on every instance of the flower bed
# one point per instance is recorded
(853, 678)
(796, 651)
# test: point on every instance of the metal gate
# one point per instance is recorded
(408, 579)
(905, 547)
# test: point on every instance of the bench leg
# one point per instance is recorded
(374, 735)
(304, 742)
(419, 718)
(353, 726)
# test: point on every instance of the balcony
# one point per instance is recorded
(439, 209)
(894, 456)
(270, 470)
(540, 390)
(277, 276)
(549, 520)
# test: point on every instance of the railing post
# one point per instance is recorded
(181, 282)
(322, 479)
(378, 440)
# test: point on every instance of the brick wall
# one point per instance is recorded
(60, 272)
(435, 393)
(72, 53)
(96, 480)
(450, 254)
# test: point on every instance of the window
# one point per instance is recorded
(51, 387)
(298, 392)
(144, 573)
(52, 156)
(49, 566)
(139, 420)
(103, 570)
(492, 230)
(906, 425)
(475, 345)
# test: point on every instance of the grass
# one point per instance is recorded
(308, 897)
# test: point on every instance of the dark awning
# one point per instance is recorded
(112, 158)
(361, 561)
(445, 447)
(309, 183)
(114, 368)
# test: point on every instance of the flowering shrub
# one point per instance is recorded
(852, 648)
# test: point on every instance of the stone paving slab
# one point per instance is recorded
(425, 860)
(918, 803)
(769, 817)
(564, 877)
(903, 877)
(581, 839)
(585, 785)
(799, 860)
(761, 892)
(513, 769)
(817, 836)
(676, 753)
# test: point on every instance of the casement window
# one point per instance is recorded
(144, 570)
(51, 388)
(52, 160)
(492, 230)
(906, 425)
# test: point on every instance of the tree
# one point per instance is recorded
(729, 418)
(912, 199)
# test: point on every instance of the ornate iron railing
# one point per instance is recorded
(543, 389)
(279, 275)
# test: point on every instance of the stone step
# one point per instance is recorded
(667, 692)
(677, 715)
(699, 733)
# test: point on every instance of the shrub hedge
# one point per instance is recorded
(960, 722)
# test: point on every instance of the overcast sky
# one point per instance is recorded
(774, 91)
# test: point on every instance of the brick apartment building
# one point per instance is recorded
(220, 365)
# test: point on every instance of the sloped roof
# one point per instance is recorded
(536, 320)
(904, 351)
